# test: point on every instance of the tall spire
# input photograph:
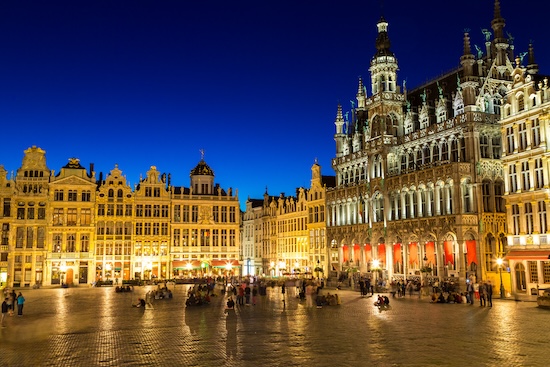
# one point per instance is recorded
(500, 42)
(532, 66)
(467, 60)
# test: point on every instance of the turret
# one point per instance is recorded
(532, 66)
(469, 82)
(500, 42)
(383, 66)
(339, 137)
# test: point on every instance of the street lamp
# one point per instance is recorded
(375, 267)
(228, 267)
(502, 290)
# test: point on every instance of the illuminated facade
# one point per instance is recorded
(75, 229)
(525, 133)
(286, 235)
(420, 184)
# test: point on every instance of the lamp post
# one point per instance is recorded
(502, 290)
(228, 267)
(375, 267)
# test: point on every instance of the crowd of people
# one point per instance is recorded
(12, 299)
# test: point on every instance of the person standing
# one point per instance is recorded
(482, 294)
(13, 301)
(247, 292)
(5, 309)
(362, 286)
(20, 303)
(254, 294)
(309, 295)
(470, 292)
(489, 287)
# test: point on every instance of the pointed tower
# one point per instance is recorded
(532, 66)
(469, 82)
(339, 137)
(500, 42)
(361, 94)
(383, 66)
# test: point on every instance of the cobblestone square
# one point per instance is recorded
(98, 327)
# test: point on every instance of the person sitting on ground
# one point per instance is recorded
(140, 303)
(441, 298)
(191, 301)
(230, 304)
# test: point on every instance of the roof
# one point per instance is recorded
(202, 169)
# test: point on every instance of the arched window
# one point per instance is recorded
(521, 103)
(444, 151)
(454, 150)
(427, 158)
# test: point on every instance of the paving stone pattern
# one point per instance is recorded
(98, 327)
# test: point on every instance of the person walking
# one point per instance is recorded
(5, 309)
(20, 303)
(489, 287)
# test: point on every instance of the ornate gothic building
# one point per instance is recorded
(420, 182)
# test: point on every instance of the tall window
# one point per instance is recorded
(58, 195)
(71, 243)
(84, 243)
(539, 176)
(486, 193)
(521, 103)
(510, 142)
(72, 195)
(542, 217)
(512, 174)
(71, 217)
(528, 218)
(484, 146)
(86, 195)
(497, 149)
(533, 271)
(194, 213)
(522, 132)
(535, 133)
(515, 219)
(526, 182)
(498, 186)
(216, 214)
(454, 150)
(186, 214)
(58, 216)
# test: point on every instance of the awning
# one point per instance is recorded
(528, 255)
(223, 263)
(178, 264)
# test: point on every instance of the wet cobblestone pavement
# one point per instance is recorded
(98, 327)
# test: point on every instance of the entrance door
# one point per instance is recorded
(83, 275)
(69, 276)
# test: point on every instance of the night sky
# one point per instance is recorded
(254, 83)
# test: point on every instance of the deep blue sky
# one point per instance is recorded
(253, 83)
